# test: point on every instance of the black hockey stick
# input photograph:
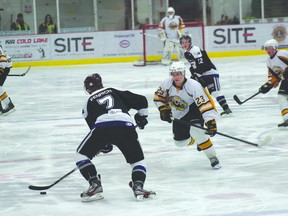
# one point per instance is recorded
(33, 187)
(241, 102)
(264, 142)
(23, 74)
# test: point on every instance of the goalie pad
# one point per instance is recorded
(161, 34)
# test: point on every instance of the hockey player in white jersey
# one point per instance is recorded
(277, 64)
(106, 113)
(5, 66)
(171, 28)
(187, 100)
(204, 71)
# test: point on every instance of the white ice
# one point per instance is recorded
(38, 142)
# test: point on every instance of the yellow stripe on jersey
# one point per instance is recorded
(206, 107)
(3, 96)
(158, 98)
(283, 59)
(205, 145)
(210, 98)
(284, 112)
(3, 58)
(210, 105)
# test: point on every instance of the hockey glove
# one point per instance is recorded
(285, 74)
(266, 87)
(141, 121)
(106, 149)
(211, 127)
(189, 56)
(165, 113)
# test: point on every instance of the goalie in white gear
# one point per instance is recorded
(5, 66)
(187, 100)
(277, 64)
(171, 28)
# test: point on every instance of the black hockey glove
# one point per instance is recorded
(141, 121)
(285, 74)
(106, 149)
(165, 113)
(211, 127)
(189, 56)
(266, 87)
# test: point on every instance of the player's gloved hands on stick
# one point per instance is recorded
(165, 113)
(211, 127)
(141, 121)
(266, 87)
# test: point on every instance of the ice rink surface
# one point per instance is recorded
(39, 140)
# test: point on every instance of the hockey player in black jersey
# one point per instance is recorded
(204, 71)
(106, 113)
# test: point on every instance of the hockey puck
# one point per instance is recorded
(43, 192)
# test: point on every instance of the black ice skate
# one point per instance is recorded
(227, 112)
(139, 192)
(284, 124)
(94, 192)
(215, 163)
(8, 109)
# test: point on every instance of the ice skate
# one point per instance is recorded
(8, 109)
(227, 112)
(139, 192)
(284, 124)
(215, 163)
(94, 192)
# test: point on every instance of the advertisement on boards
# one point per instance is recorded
(244, 37)
(95, 45)
(27, 48)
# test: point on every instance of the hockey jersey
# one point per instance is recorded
(181, 99)
(276, 65)
(110, 107)
(200, 62)
(171, 26)
(5, 60)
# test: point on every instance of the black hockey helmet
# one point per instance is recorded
(186, 37)
(92, 83)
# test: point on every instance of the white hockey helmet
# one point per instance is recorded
(177, 67)
(271, 43)
(170, 12)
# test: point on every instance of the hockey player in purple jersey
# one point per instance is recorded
(106, 113)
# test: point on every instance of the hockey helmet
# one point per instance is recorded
(187, 38)
(92, 83)
(271, 43)
(170, 12)
(177, 67)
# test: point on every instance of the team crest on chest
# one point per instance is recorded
(178, 103)
(173, 25)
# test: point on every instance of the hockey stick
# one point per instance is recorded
(156, 36)
(264, 142)
(241, 102)
(23, 74)
(33, 187)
